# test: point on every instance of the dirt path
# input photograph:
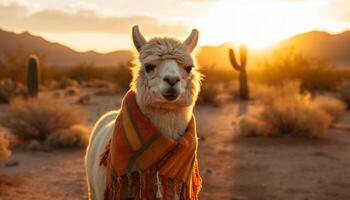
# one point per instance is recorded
(257, 168)
(45, 175)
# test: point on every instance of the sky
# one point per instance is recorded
(105, 25)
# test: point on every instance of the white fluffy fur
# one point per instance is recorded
(171, 117)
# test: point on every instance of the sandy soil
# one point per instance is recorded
(231, 167)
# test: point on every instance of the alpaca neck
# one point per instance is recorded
(172, 123)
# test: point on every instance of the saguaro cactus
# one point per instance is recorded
(33, 76)
(243, 79)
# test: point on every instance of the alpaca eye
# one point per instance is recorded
(149, 67)
(188, 68)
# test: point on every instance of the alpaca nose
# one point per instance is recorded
(171, 80)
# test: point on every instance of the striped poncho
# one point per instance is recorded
(143, 163)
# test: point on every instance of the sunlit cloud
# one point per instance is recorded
(259, 23)
(263, 23)
(17, 15)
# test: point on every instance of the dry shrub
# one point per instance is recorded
(66, 83)
(213, 85)
(51, 84)
(232, 89)
(334, 107)
(86, 99)
(4, 151)
(284, 110)
(72, 91)
(252, 126)
(344, 90)
(289, 64)
(75, 136)
(209, 94)
(36, 119)
(58, 94)
(10, 89)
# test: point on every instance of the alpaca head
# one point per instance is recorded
(166, 77)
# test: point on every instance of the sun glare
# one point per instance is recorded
(256, 23)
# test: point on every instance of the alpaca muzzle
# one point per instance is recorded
(171, 94)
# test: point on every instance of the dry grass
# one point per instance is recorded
(344, 90)
(36, 119)
(110, 90)
(65, 83)
(96, 84)
(252, 126)
(215, 84)
(4, 151)
(334, 107)
(284, 110)
(75, 136)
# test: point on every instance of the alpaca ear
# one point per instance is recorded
(192, 40)
(137, 38)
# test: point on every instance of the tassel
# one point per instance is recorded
(180, 191)
(165, 188)
(120, 187)
(176, 194)
(142, 185)
(129, 185)
(159, 187)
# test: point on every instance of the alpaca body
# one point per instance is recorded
(96, 174)
(166, 89)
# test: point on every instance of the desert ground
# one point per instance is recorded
(232, 167)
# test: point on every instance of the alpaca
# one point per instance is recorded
(166, 86)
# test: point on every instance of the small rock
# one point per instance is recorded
(239, 198)
(85, 99)
(208, 171)
(12, 164)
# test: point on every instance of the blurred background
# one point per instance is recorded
(273, 113)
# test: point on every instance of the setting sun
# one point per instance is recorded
(258, 24)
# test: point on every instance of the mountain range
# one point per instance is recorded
(56, 54)
(335, 48)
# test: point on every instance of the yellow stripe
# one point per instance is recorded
(130, 132)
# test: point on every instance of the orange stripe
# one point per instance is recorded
(154, 152)
(179, 154)
(181, 163)
(120, 147)
(187, 170)
(130, 132)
